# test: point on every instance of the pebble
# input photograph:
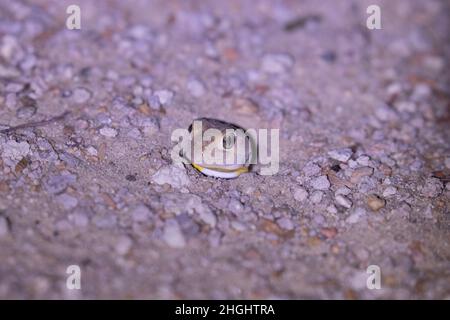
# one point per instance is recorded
(277, 63)
(140, 213)
(342, 155)
(238, 226)
(108, 132)
(343, 201)
(311, 169)
(207, 216)
(123, 245)
(285, 223)
(164, 96)
(235, 206)
(343, 190)
(58, 183)
(355, 216)
(375, 203)
(389, 191)
(67, 201)
(81, 95)
(172, 235)
(196, 88)
(316, 197)
(92, 151)
(15, 151)
(4, 228)
(300, 194)
(360, 173)
(432, 188)
(26, 112)
(245, 106)
(320, 183)
(175, 176)
(363, 161)
(447, 162)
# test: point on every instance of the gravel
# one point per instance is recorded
(342, 155)
(320, 183)
(364, 154)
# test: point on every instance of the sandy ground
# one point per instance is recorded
(364, 149)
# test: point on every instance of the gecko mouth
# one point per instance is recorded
(221, 172)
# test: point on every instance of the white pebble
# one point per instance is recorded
(285, 223)
(4, 229)
(343, 201)
(300, 194)
(67, 201)
(447, 162)
(81, 95)
(316, 197)
(196, 88)
(172, 175)
(208, 217)
(173, 236)
(123, 245)
(389, 191)
(108, 132)
(164, 96)
(321, 183)
(15, 150)
(342, 155)
(140, 213)
(277, 63)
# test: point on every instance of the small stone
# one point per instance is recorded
(329, 232)
(141, 213)
(375, 203)
(316, 197)
(432, 187)
(164, 96)
(67, 201)
(363, 161)
(26, 112)
(80, 218)
(123, 245)
(311, 169)
(300, 194)
(175, 176)
(196, 88)
(92, 151)
(385, 113)
(173, 236)
(447, 162)
(15, 151)
(235, 206)
(343, 190)
(81, 95)
(59, 183)
(108, 132)
(389, 191)
(238, 226)
(343, 201)
(342, 155)
(321, 183)
(277, 63)
(355, 216)
(245, 106)
(332, 209)
(285, 223)
(4, 227)
(207, 216)
(360, 173)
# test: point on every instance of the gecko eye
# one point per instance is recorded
(228, 141)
